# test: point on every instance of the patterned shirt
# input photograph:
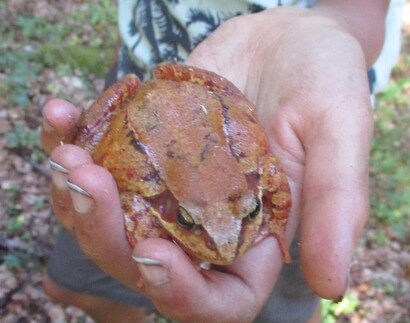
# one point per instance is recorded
(155, 31)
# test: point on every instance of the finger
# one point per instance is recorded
(335, 200)
(62, 160)
(235, 293)
(60, 118)
(98, 222)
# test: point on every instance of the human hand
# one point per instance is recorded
(303, 94)
(98, 226)
(307, 76)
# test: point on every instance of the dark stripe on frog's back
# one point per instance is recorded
(226, 121)
(246, 137)
(153, 176)
(136, 143)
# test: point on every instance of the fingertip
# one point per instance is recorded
(330, 229)
(99, 185)
(62, 160)
(169, 277)
(169, 255)
(60, 118)
(61, 115)
(326, 271)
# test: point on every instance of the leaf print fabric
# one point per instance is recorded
(155, 31)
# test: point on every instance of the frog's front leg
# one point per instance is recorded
(277, 202)
(139, 218)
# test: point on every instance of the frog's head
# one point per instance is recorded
(228, 227)
(218, 213)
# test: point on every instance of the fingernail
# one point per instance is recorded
(58, 175)
(152, 271)
(346, 290)
(47, 127)
(82, 200)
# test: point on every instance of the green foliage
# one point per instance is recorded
(388, 287)
(90, 60)
(394, 91)
(21, 136)
(379, 236)
(20, 68)
(82, 44)
(390, 161)
(101, 15)
(331, 309)
(26, 140)
(38, 29)
(16, 223)
(13, 261)
(16, 259)
(165, 320)
(50, 44)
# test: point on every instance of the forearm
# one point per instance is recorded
(363, 19)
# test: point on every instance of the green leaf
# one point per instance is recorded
(12, 261)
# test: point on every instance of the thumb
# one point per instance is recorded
(183, 292)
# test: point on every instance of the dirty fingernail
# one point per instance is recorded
(346, 290)
(152, 271)
(58, 175)
(82, 201)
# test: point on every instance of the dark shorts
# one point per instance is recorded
(291, 300)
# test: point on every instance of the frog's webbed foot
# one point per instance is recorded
(277, 199)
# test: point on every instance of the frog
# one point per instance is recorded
(191, 162)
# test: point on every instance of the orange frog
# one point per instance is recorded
(191, 162)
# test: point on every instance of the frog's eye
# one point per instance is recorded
(184, 219)
(257, 207)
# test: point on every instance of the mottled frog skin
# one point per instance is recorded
(191, 162)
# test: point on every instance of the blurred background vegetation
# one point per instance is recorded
(56, 49)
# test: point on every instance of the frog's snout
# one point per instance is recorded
(225, 233)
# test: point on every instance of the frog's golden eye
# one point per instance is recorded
(184, 219)
(256, 209)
